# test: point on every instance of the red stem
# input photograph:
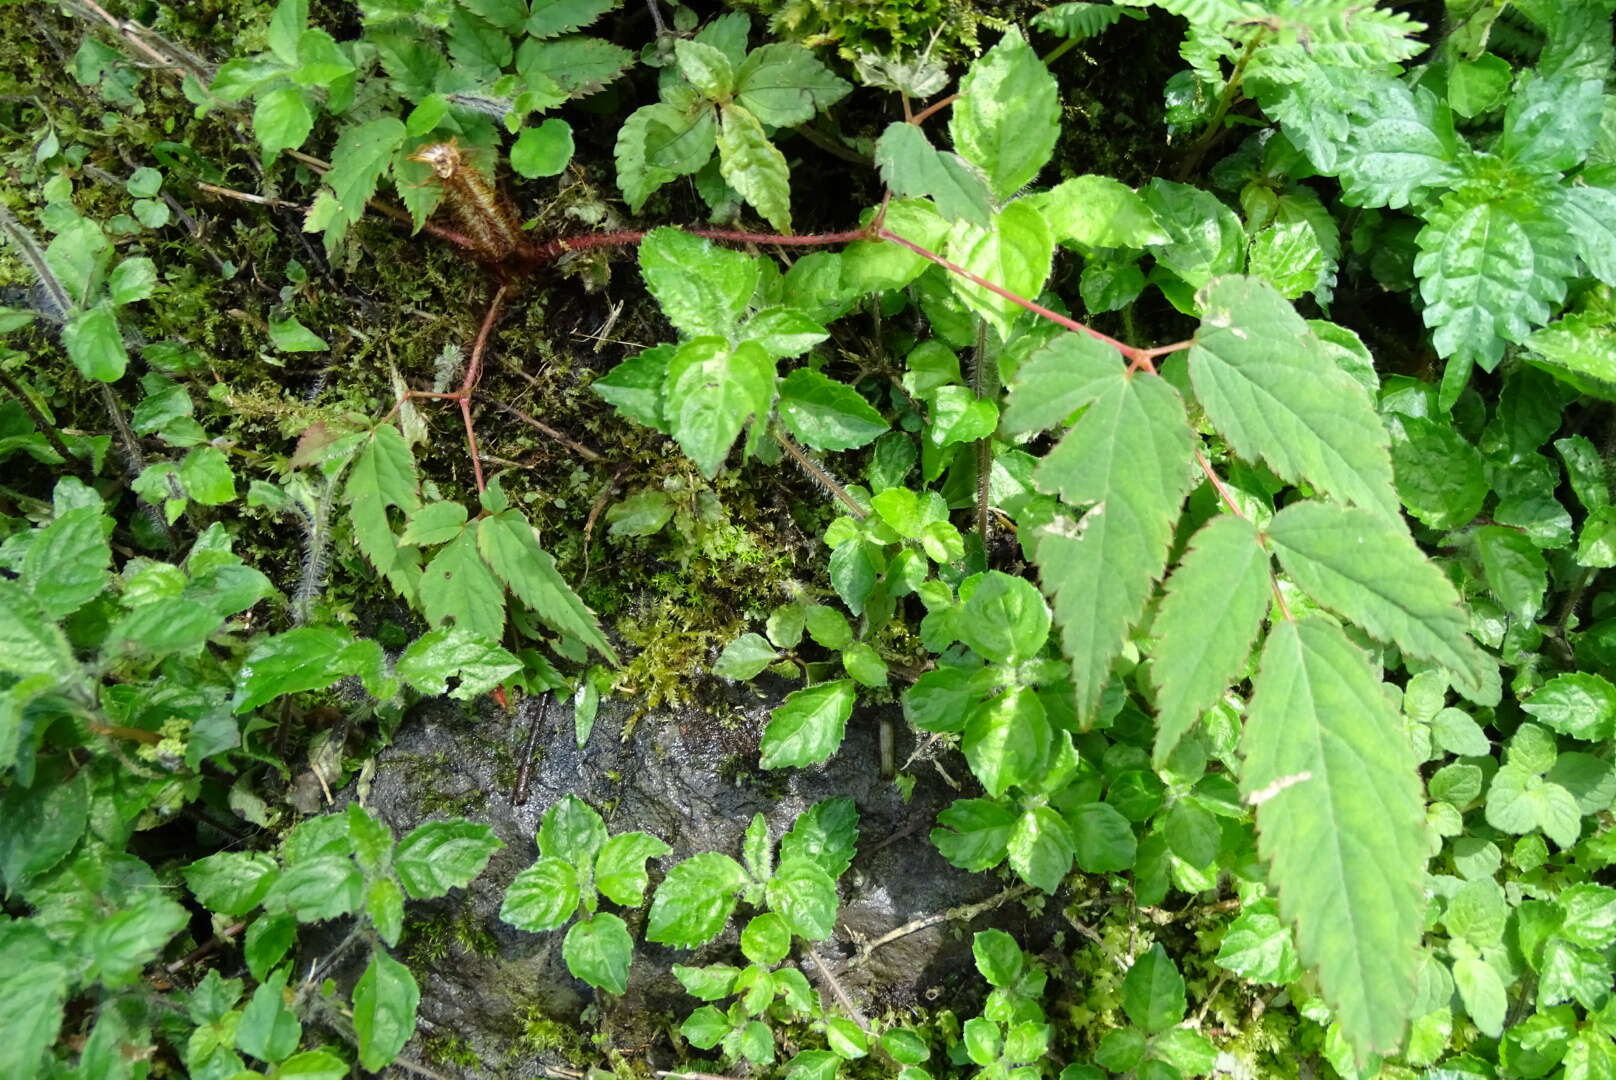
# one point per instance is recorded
(474, 374)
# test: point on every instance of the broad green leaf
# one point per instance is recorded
(1551, 122)
(598, 950)
(826, 833)
(1057, 380)
(754, 166)
(783, 85)
(1013, 252)
(1128, 458)
(877, 265)
(745, 657)
(865, 665)
(826, 414)
(269, 1030)
(620, 867)
(1207, 624)
(473, 660)
(712, 392)
(1340, 821)
(506, 540)
(1589, 212)
(1007, 117)
(1400, 145)
(1041, 849)
(1289, 257)
(695, 900)
(805, 897)
(1153, 992)
(1578, 350)
(705, 68)
(542, 897)
(1440, 475)
(1099, 212)
(1204, 238)
(998, 957)
(1369, 570)
(550, 18)
(43, 824)
(66, 565)
(384, 1003)
(635, 386)
(120, 944)
(1007, 740)
(1581, 704)
(911, 167)
(95, 344)
(1005, 620)
(783, 332)
(636, 177)
(807, 727)
(382, 475)
(701, 287)
(1482, 992)
(1490, 269)
(1266, 382)
(577, 63)
(974, 834)
(305, 658)
(282, 120)
(544, 150)
(232, 882)
(1257, 946)
(1105, 840)
(317, 888)
(443, 855)
(1519, 801)
(206, 476)
(572, 830)
(458, 585)
(35, 982)
(1515, 570)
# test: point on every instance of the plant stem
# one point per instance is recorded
(46, 428)
(817, 471)
(985, 385)
(1214, 127)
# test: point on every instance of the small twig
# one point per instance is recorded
(248, 197)
(962, 913)
(524, 770)
(1206, 1002)
(202, 950)
(854, 1013)
(538, 425)
(594, 513)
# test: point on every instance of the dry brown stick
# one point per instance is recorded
(205, 948)
(538, 425)
(961, 913)
(854, 1013)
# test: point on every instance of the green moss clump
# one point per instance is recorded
(947, 28)
(447, 1048)
(541, 1033)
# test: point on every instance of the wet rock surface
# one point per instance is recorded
(689, 777)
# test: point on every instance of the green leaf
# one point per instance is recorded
(807, 727)
(1257, 946)
(135, 278)
(1340, 822)
(1519, 801)
(282, 120)
(120, 944)
(506, 540)
(1007, 117)
(826, 414)
(1007, 740)
(232, 882)
(1057, 380)
(1099, 212)
(1580, 704)
(598, 950)
(1440, 476)
(382, 475)
(434, 523)
(35, 983)
(66, 564)
(359, 159)
(783, 332)
(1589, 213)
(745, 657)
(1515, 570)
(1207, 624)
(710, 983)
(620, 868)
(865, 665)
(753, 166)
(1013, 252)
(1400, 145)
(1490, 269)
(542, 897)
(384, 1002)
(695, 900)
(974, 834)
(704, 67)
(43, 824)
(1551, 123)
(1369, 570)
(553, 17)
(826, 833)
(805, 897)
(1153, 992)
(269, 1030)
(317, 888)
(1128, 458)
(783, 85)
(206, 474)
(712, 391)
(1204, 238)
(443, 855)
(1005, 620)
(1041, 849)
(544, 150)
(635, 386)
(1105, 840)
(475, 661)
(911, 167)
(95, 344)
(1266, 382)
(1482, 992)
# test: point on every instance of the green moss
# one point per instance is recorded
(541, 1033)
(429, 941)
(447, 1048)
(947, 28)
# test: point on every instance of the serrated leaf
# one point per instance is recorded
(1581, 704)
(1401, 144)
(1491, 267)
(359, 159)
(1057, 380)
(826, 414)
(506, 540)
(577, 63)
(783, 85)
(620, 867)
(1589, 215)
(695, 900)
(1153, 992)
(542, 897)
(1267, 383)
(1014, 253)
(382, 475)
(1099, 212)
(808, 726)
(1209, 620)
(1041, 847)
(754, 166)
(1369, 570)
(701, 287)
(711, 393)
(1340, 821)
(598, 950)
(384, 1003)
(1204, 237)
(1128, 458)
(552, 17)
(912, 167)
(458, 585)
(443, 855)
(94, 342)
(1008, 114)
